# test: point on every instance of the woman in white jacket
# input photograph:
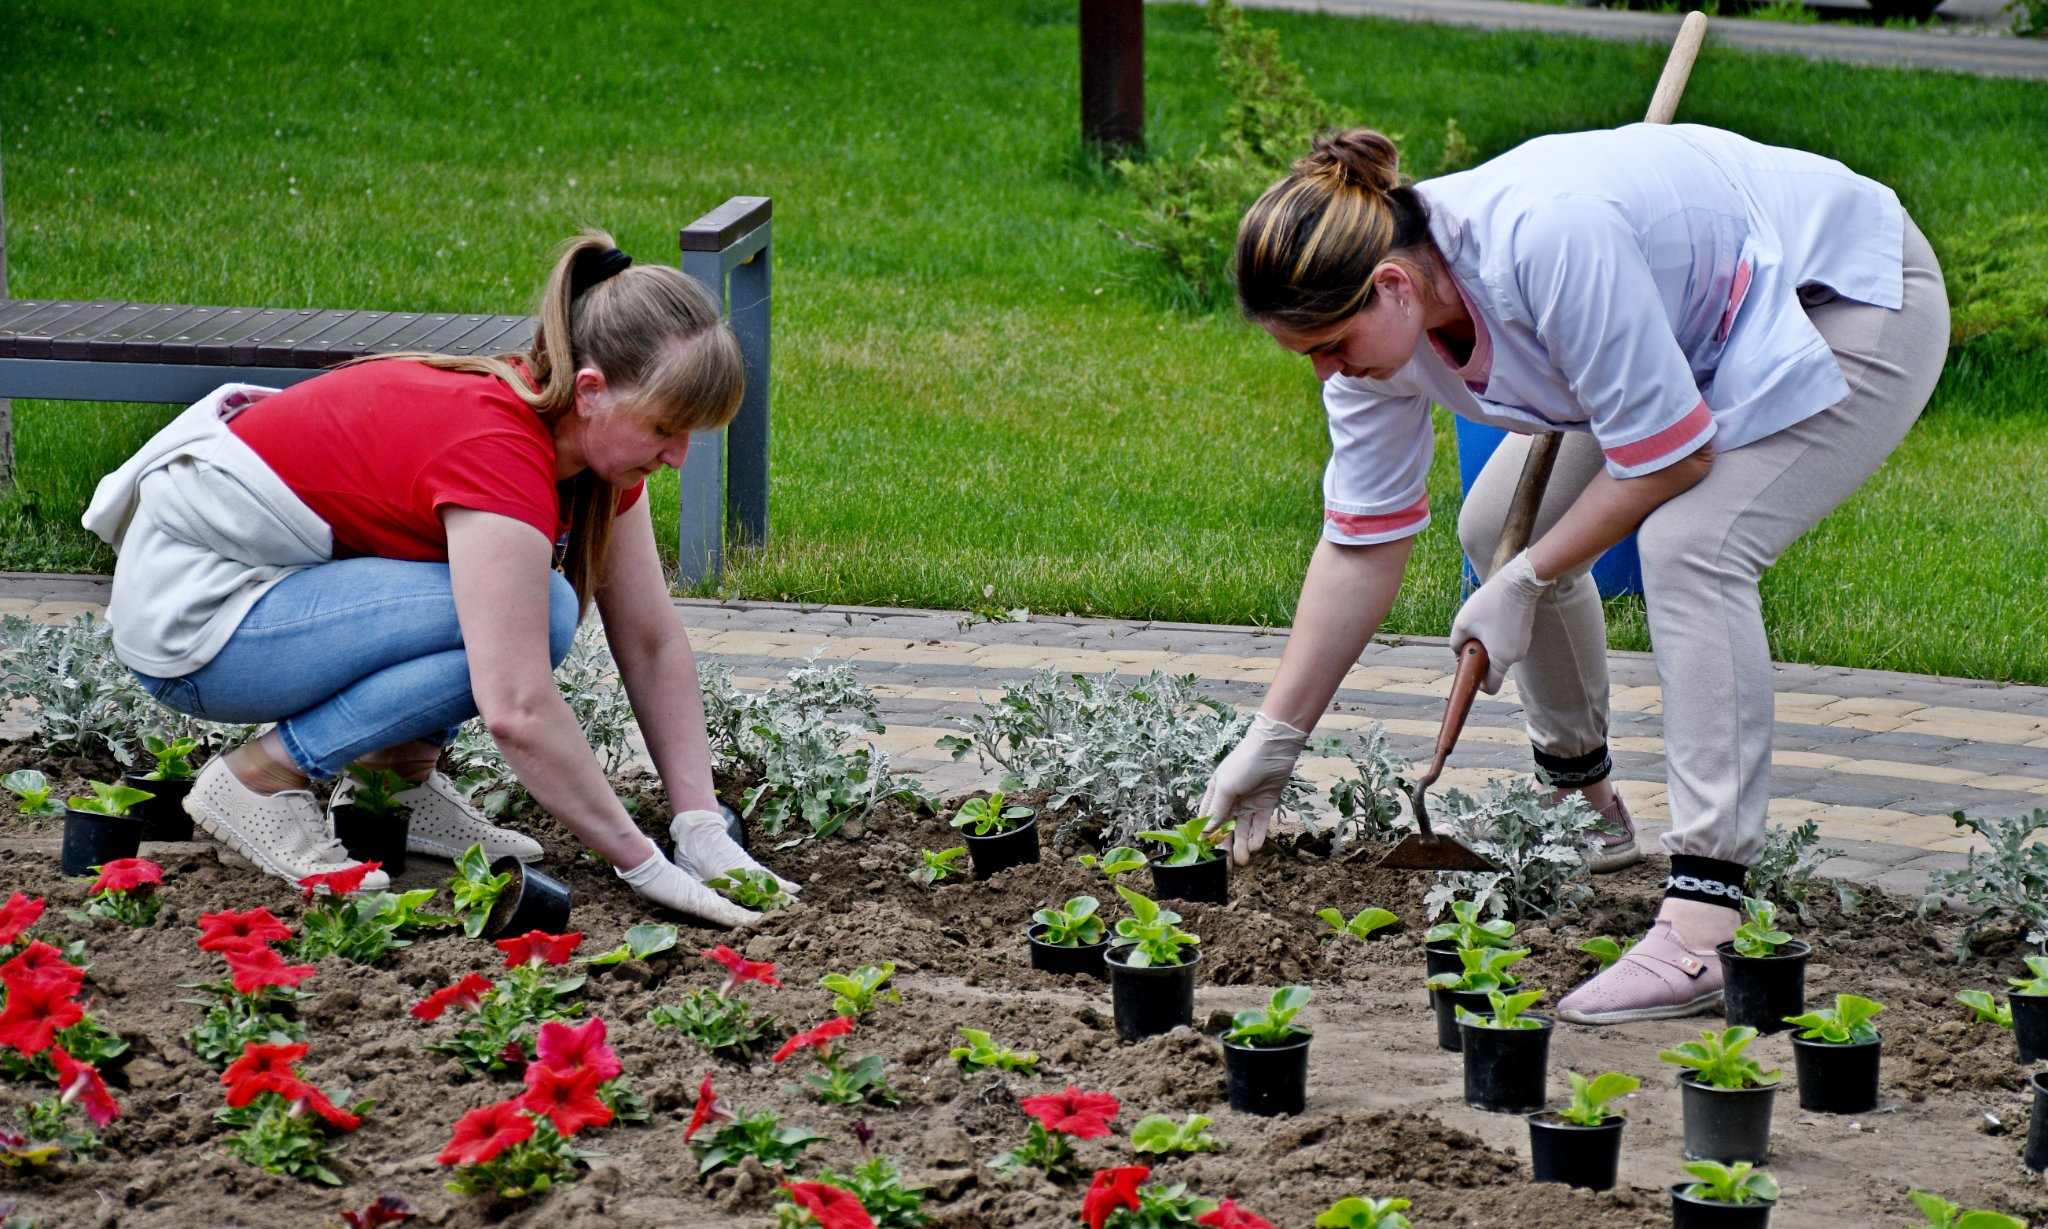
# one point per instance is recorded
(365, 559)
(1733, 336)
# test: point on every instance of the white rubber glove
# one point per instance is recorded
(704, 850)
(1247, 784)
(1500, 615)
(667, 884)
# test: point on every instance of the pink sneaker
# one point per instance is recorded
(1616, 847)
(1658, 979)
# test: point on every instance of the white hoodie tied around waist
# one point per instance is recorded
(202, 528)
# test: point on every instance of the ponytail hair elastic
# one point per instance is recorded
(591, 270)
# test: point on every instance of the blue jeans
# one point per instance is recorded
(349, 657)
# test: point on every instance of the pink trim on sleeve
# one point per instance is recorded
(1735, 293)
(1658, 446)
(1354, 525)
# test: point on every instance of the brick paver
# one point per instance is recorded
(1878, 759)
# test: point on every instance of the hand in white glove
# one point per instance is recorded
(704, 850)
(1247, 784)
(667, 884)
(1500, 615)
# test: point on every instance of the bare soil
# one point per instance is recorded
(1385, 1114)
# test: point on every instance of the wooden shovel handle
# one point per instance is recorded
(1464, 685)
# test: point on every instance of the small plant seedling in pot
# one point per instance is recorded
(1606, 950)
(376, 791)
(1360, 926)
(1355, 1212)
(1740, 1183)
(1265, 1055)
(751, 889)
(1836, 1054)
(1121, 860)
(1075, 924)
(476, 890)
(1507, 1011)
(173, 757)
(1846, 1023)
(857, 993)
(1466, 929)
(990, 816)
(1942, 1214)
(1485, 968)
(31, 790)
(2036, 981)
(1272, 1025)
(1589, 1104)
(1759, 936)
(1580, 1145)
(938, 864)
(1152, 934)
(1726, 1096)
(1160, 1133)
(1188, 843)
(981, 1053)
(112, 800)
(1717, 1059)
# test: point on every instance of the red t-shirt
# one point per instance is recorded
(377, 450)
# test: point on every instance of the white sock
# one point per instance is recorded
(704, 850)
(663, 882)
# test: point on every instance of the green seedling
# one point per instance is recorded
(1159, 1133)
(1187, 844)
(1985, 1009)
(173, 757)
(1846, 1023)
(1119, 861)
(1485, 968)
(1507, 1011)
(2037, 980)
(988, 816)
(1360, 926)
(1590, 1097)
(724, 1027)
(1073, 925)
(1759, 935)
(938, 864)
(750, 889)
(879, 1187)
(1368, 1213)
(1272, 1025)
(109, 799)
(475, 890)
(31, 790)
(980, 1053)
(641, 942)
(1739, 1183)
(1941, 1214)
(1717, 1059)
(1467, 930)
(761, 1136)
(1154, 937)
(1606, 950)
(856, 993)
(377, 790)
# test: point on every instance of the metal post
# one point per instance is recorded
(746, 471)
(6, 406)
(725, 477)
(1113, 75)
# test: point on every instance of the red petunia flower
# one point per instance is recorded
(1229, 1216)
(39, 964)
(228, 931)
(567, 1098)
(126, 875)
(1083, 1115)
(818, 1036)
(539, 947)
(481, 1134)
(1112, 1189)
(835, 1207)
(738, 968)
(708, 1109)
(18, 914)
(387, 1210)
(335, 1116)
(259, 1062)
(257, 967)
(338, 883)
(37, 1011)
(465, 994)
(81, 1083)
(576, 1048)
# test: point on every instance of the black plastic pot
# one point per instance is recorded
(1566, 1152)
(1267, 1080)
(1506, 1068)
(2030, 1025)
(1441, 957)
(1149, 1001)
(92, 839)
(999, 851)
(163, 814)
(1726, 1124)
(1760, 991)
(1446, 1003)
(1837, 1079)
(1084, 958)
(1690, 1213)
(374, 838)
(532, 901)
(735, 827)
(1205, 881)
(2037, 1125)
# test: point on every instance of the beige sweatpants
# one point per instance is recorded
(1702, 554)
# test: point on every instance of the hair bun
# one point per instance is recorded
(1357, 157)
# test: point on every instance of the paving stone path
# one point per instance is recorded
(1878, 760)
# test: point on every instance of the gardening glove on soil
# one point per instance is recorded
(663, 882)
(1499, 615)
(704, 848)
(1247, 784)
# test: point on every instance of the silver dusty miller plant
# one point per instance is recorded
(1370, 803)
(589, 681)
(1539, 849)
(801, 742)
(2008, 880)
(1785, 873)
(84, 701)
(1133, 756)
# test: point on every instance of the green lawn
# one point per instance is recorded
(970, 391)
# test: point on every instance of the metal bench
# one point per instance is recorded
(107, 350)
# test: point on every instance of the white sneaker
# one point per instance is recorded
(282, 833)
(444, 825)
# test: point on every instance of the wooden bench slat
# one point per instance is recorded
(36, 337)
(76, 342)
(518, 335)
(134, 320)
(25, 327)
(475, 341)
(147, 345)
(182, 347)
(327, 347)
(408, 338)
(370, 340)
(454, 330)
(12, 310)
(277, 349)
(243, 352)
(218, 349)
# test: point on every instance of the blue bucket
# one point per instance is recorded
(1618, 572)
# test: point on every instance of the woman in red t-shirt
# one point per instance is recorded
(366, 558)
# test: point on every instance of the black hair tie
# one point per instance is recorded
(589, 271)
